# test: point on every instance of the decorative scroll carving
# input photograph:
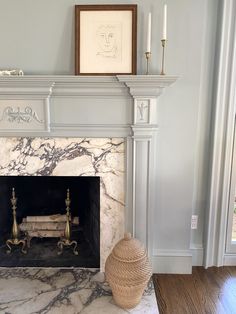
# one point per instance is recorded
(16, 115)
(13, 72)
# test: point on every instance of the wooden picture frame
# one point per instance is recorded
(105, 39)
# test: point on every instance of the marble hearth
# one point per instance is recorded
(96, 126)
(59, 291)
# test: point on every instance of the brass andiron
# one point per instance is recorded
(15, 229)
(66, 241)
(163, 43)
(148, 57)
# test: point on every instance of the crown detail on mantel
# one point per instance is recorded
(146, 85)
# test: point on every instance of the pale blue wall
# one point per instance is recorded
(38, 37)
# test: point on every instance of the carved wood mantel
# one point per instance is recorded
(110, 106)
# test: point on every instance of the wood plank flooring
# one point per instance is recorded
(211, 291)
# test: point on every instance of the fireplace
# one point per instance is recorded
(102, 127)
(41, 170)
(41, 200)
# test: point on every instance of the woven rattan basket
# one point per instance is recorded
(128, 271)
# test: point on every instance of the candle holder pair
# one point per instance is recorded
(148, 57)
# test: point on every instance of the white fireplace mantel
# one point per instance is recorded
(88, 105)
(95, 106)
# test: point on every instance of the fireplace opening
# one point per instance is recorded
(58, 221)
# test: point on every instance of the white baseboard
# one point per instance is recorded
(230, 260)
(197, 253)
(172, 261)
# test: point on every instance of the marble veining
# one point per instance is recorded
(103, 157)
(56, 291)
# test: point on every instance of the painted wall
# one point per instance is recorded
(184, 135)
(38, 37)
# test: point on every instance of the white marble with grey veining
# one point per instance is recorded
(63, 291)
(103, 157)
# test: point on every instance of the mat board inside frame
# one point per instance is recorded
(105, 39)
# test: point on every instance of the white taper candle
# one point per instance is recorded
(164, 34)
(149, 32)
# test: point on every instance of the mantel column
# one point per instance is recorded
(145, 90)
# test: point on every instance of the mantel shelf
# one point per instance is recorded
(73, 86)
(135, 79)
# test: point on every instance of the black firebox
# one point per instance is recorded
(40, 196)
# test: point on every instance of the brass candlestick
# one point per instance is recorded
(66, 241)
(148, 57)
(163, 43)
(15, 229)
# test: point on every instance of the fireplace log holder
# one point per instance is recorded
(64, 233)
(65, 242)
(15, 241)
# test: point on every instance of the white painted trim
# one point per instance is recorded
(229, 143)
(92, 130)
(134, 187)
(230, 260)
(231, 184)
(148, 209)
(171, 253)
(203, 149)
(141, 196)
(18, 88)
(96, 131)
(172, 261)
(75, 86)
(197, 254)
(138, 84)
(129, 209)
(217, 202)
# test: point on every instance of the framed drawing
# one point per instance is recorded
(105, 39)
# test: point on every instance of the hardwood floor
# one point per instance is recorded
(211, 290)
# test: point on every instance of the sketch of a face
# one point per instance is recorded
(106, 36)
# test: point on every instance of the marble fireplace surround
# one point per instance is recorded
(74, 125)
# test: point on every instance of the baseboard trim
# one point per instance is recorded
(172, 261)
(230, 260)
(197, 253)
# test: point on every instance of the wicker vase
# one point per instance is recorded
(128, 271)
